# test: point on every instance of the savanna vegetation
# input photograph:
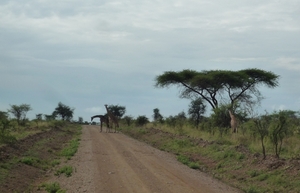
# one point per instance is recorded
(236, 158)
(29, 148)
(263, 156)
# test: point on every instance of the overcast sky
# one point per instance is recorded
(87, 53)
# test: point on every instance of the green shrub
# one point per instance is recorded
(67, 170)
(53, 188)
(194, 165)
(229, 154)
(241, 156)
(142, 131)
(253, 173)
(183, 159)
(5, 132)
(252, 189)
(8, 139)
(186, 161)
(141, 120)
(263, 177)
(71, 149)
(183, 143)
(55, 162)
(29, 161)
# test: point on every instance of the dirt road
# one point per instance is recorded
(113, 162)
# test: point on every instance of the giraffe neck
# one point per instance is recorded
(231, 115)
(108, 112)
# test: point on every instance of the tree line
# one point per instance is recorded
(19, 123)
(221, 90)
(19, 112)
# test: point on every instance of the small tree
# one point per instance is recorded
(80, 120)
(20, 111)
(277, 132)
(157, 117)
(261, 127)
(117, 110)
(196, 110)
(141, 120)
(65, 112)
(128, 120)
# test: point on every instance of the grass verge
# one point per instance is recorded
(67, 170)
(53, 188)
(40, 151)
(225, 160)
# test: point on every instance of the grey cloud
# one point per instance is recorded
(92, 52)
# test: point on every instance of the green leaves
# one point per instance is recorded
(211, 85)
(67, 170)
(64, 111)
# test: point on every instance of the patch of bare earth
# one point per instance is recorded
(21, 176)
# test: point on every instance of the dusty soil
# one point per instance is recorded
(21, 176)
(114, 162)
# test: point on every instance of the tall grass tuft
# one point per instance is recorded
(67, 170)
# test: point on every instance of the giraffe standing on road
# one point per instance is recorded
(103, 119)
(112, 118)
(233, 122)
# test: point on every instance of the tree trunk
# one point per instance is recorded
(263, 147)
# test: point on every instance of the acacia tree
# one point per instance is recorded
(64, 111)
(216, 85)
(157, 116)
(196, 110)
(117, 110)
(20, 111)
(141, 120)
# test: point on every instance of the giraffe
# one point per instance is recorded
(112, 118)
(233, 122)
(103, 118)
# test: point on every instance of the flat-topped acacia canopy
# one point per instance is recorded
(216, 85)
